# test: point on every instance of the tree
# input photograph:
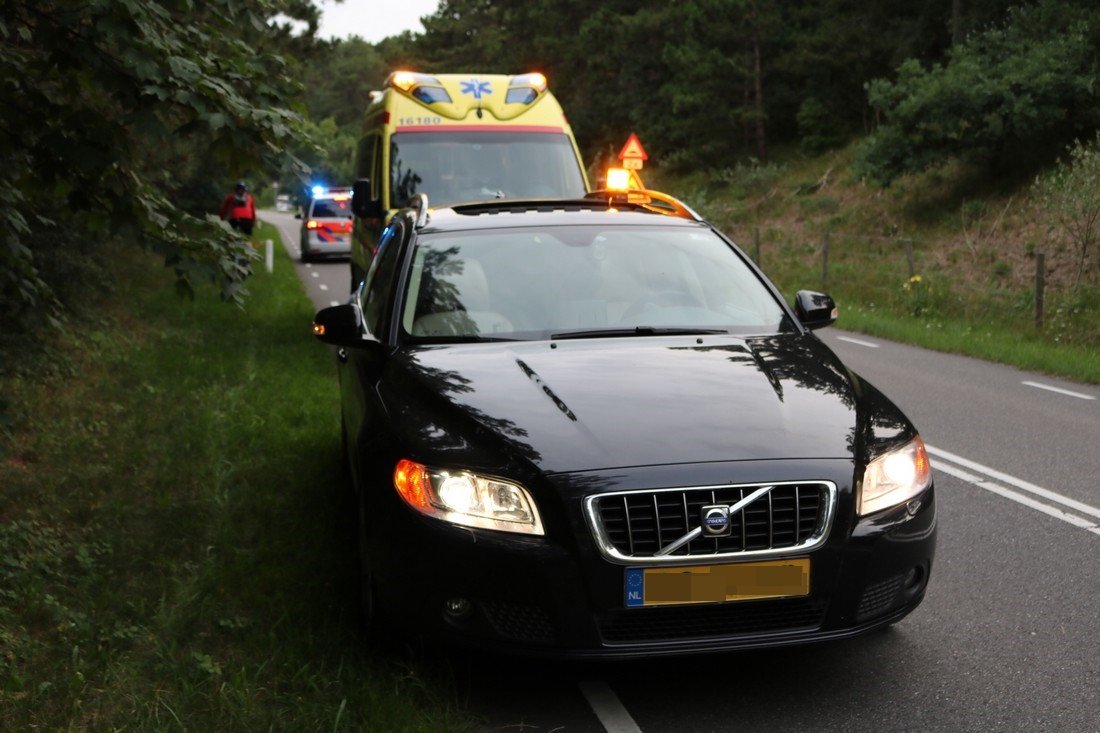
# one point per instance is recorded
(1004, 94)
(111, 107)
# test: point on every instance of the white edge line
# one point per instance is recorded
(334, 302)
(1013, 481)
(1020, 498)
(322, 286)
(1059, 390)
(607, 707)
(868, 344)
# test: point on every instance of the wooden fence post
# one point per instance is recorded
(756, 244)
(1040, 286)
(909, 257)
(825, 261)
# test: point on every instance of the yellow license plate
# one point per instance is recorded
(717, 583)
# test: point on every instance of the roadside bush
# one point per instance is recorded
(1003, 97)
(1069, 201)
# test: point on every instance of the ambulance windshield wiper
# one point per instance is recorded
(636, 331)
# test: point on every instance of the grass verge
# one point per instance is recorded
(946, 259)
(175, 551)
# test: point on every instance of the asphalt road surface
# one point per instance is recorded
(1007, 639)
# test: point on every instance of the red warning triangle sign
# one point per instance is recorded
(633, 149)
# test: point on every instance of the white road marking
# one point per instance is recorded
(1013, 481)
(334, 302)
(868, 344)
(1020, 498)
(322, 286)
(608, 708)
(314, 274)
(1059, 390)
(309, 266)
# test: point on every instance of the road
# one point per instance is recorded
(1007, 639)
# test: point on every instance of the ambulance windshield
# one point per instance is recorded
(453, 167)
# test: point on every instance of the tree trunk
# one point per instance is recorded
(758, 88)
(956, 12)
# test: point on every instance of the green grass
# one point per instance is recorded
(175, 546)
(974, 241)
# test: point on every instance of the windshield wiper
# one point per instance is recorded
(637, 331)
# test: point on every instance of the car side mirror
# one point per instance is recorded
(815, 310)
(340, 325)
(361, 202)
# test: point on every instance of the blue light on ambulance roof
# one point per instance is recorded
(318, 191)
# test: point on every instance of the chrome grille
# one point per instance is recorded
(633, 526)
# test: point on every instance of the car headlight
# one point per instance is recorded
(467, 498)
(895, 477)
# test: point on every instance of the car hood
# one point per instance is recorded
(581, 405)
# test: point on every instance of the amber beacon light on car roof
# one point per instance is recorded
(620, 188)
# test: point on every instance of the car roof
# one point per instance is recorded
(506, 213)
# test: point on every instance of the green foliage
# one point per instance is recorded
(683, 75)
(112, 110)
(1069, 200)
(176, 549)
(336, 83)
(1004, 94)
(332, 160)
(819, 129)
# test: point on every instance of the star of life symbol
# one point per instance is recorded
(475, 88)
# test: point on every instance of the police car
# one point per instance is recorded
(327, 225)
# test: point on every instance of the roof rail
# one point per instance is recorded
(419, 203)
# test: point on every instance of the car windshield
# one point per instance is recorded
(331, 209)
(475, 166)
(577, 281)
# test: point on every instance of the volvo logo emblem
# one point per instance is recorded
(716, 520)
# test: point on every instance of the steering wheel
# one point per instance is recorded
(661, 298)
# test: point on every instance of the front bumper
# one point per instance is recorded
(543, 596)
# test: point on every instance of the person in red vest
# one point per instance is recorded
(239, 209)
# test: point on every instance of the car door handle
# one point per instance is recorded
(342, 355)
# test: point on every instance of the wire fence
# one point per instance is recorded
(847, 260)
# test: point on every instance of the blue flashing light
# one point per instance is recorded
(318, 190)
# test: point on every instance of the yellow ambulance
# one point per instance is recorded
(458, 137)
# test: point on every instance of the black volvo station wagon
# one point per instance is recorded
(594, 428)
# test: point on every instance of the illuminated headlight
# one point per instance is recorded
(895, 477)
(466, 498)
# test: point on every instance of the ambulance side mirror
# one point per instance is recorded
(361, 202)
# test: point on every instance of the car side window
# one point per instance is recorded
(379, 284)
(364, 156)
(376, 169)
